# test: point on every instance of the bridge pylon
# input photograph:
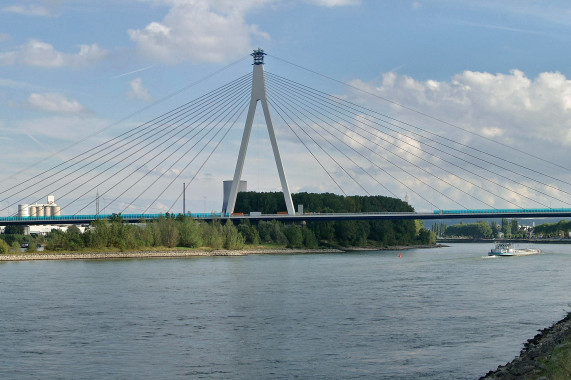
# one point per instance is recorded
(258, 94)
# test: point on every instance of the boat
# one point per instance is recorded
(506, 249)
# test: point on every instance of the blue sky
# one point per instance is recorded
(71, 67)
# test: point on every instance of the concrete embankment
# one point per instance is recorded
(154, 254)
(545, 356)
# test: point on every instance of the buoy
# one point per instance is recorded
(400, 255)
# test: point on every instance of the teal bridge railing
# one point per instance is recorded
(505, 211)
(69, 218)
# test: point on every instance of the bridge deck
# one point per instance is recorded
(438, 214)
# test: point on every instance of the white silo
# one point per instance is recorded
(48, 210)
(33, 210)
(56, 211)
(23, 210)
(39, 210)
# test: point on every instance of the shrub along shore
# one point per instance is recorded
(172, 231)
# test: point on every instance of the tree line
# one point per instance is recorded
(509, 229)
(556, 229)
(345, 233)
(183, 231)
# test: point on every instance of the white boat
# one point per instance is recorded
(506, 249)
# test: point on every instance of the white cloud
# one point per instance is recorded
(336, 3)
(138, 91)
(507, 105)
(199, 31)
(530, 114)
(41, 54)
(206, 30)
(416, 5)
(54, 102)
(27, 10)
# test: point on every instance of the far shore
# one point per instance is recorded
(491, 241)
(141, 254)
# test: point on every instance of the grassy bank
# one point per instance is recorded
(558, 364)
(546, 356)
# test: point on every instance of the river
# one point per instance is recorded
(442, 313)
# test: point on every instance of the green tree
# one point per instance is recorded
(116, 218)
(496, 229)
(213, 235)
(232, 238)
(168, 231)
(98, 236)
(4, 247)
(144, 234)
(514, 227)
(426, 237)
(249, 232)
(32, 247)
(506, 228)
(309, 239)
(14, 230)
(271, 232)
(190, 233)
(294, 236)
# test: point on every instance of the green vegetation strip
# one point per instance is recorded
(546, 356)
(184, 231)
(558, 366)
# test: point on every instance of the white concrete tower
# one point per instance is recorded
(258, 94)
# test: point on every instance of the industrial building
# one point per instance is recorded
(48, 209)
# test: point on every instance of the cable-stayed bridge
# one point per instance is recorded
(352, 146)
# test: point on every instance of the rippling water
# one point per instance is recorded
(439, 313)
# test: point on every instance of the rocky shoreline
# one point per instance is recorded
(191, 253)
(536, 353)
(156, 254)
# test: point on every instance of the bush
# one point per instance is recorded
(271, 232)
(169, 232)
(4, 247)
(294, 236)
(232, 238)
(189, 230)
(32, 247)
(213, 235)
(11, 238)
(309, 239)
(249, 232)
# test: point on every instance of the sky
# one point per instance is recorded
(498, 69)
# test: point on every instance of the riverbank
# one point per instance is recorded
(493, 241)
(155, 254)
(545, 356)
(172, 253)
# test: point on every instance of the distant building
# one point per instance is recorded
(50, 208)
(46, 209)
(46, 229)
